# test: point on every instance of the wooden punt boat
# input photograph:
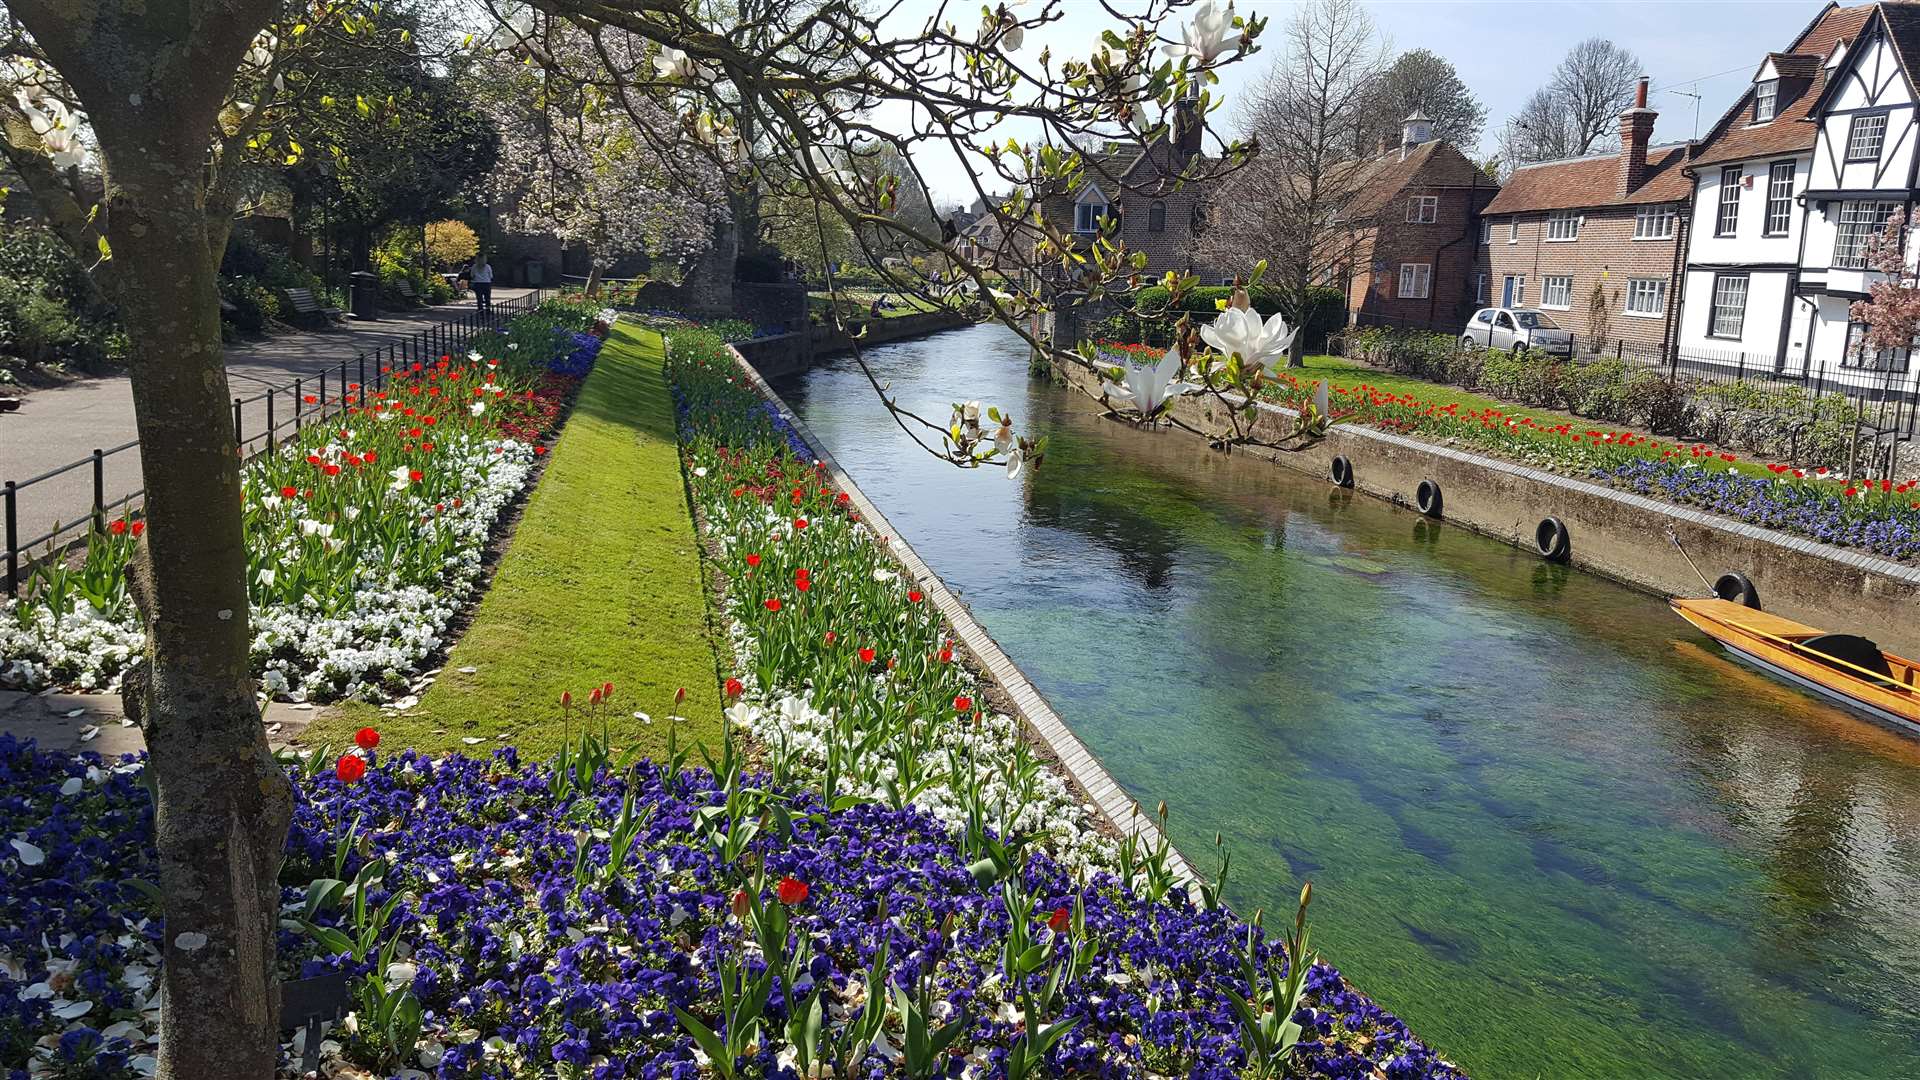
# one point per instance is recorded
(1845, 667)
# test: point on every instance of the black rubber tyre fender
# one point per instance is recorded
(1551, 539)
(1340, 472)
(1427, 498)
(1737, 587)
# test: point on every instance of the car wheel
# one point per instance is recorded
(1467, 343)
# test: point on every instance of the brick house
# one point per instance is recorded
(1409, 249)
(1594, 241)
(1135, 183)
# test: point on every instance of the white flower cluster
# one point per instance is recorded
(301, 651)
(784, 720)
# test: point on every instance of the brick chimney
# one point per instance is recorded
(1636, 130)
(1188, 131)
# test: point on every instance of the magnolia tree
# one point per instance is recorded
(796, 97)
(1890, 313)
(576, 161)
(136, 125)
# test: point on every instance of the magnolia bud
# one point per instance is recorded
(1240, 299)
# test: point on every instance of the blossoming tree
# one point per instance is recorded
(181, 96)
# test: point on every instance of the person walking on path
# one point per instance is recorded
(480, 276)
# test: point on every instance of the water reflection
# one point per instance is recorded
(1551, 825)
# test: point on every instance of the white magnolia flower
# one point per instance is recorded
(675, 64)
(1239, 331)
(260, 54)
(1016, 460)
(1146, 389)
(1210, 34)
(1010, 41)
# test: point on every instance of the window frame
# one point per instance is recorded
(1482, 284)
(1637, 287)
(1771, 96)
(1556, 219)
(1513, 230)
(1486, 230)
(1082, 208)
(1853, 134)
(1726, 206)
(1782, 202)
(1844, 237)
(1423, 209)
(1157, 216)
(1715, 327)
(1547, 292)
(1895, 361)
(1665, 213)
(1423, 282)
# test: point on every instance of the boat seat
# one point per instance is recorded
(1853, 649)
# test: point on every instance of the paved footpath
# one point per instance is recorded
(67, 423)
(94, 722)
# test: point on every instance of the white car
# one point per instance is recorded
(1516, 328)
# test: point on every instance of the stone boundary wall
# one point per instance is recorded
(1614, 533)
(1104, 795)
(784, 354)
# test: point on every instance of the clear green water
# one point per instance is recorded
(1546, 822)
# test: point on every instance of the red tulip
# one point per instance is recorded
(866, 656)
(734, 688)
(799, 523)
(139, 527)
(740, 904)
(366, 738)
(802, 584)
(1059, 920)
(118, 528)
(606, 691)
(289, 492)
(566, 699)
(962, 703)
(773, 603)
(679, 695)
(915, 596)
(832, 637)
(753, 560)
(350, 769)
(791, 890)
(946, 656)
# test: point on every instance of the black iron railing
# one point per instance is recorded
(295, 404)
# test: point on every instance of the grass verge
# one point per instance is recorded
(601, 583)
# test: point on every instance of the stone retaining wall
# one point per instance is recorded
(784, 354)
(1615, 533)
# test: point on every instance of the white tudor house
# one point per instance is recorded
(1788, 186)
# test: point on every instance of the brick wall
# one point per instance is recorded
(1449, 244)
(1605, 253)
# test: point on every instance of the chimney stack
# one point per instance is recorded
(1636, 130)
(1188, 130)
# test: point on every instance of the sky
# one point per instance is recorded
(1503, 51)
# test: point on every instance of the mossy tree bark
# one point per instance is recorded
(152, 76)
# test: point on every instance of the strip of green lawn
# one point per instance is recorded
(600, 584)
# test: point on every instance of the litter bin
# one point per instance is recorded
(533, 272)
(365, 288)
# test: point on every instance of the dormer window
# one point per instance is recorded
(1089, 210)
(1766, 100)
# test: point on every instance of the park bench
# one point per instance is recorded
(308, 310)
(404, 289)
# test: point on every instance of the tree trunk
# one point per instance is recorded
(593, 278)
(222, 803)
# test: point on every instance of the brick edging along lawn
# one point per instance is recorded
(601, 583)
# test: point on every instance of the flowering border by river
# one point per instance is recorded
(851, 683)
(366, 532)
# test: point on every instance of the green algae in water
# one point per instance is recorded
(1551, 827)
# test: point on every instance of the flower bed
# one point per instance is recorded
(849, 681)
(532, 921)
(1881, 516)
(365, 532)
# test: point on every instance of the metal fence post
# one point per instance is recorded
(298, 394)
(270, 424)
(13, 539)
(99, 490)
(238, 439)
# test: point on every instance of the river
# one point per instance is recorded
(1547, 823)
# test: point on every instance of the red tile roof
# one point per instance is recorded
(1802, 77)
(1591, 182)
